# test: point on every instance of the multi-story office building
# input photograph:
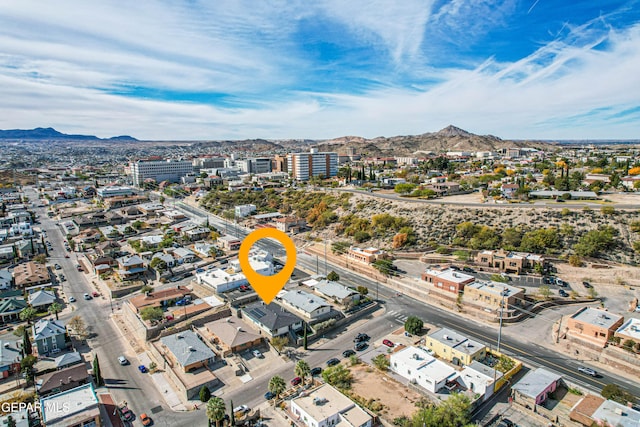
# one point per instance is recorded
(207, 163)
(159, 170)
(303, 166)
(255, 165)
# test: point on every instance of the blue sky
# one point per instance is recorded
(298, 69)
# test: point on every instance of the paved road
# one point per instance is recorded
(124, 382)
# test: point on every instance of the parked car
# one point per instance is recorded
(244, 288)
(296, 381)
(126, 414)
(146, 420)
(142, 369)
(199, 270)
(57, 267)
(547, 280)
(388, 343)
(563, 293)
(87, 296)
(123, 360)
(182, 302)
(95, 294)
(257, 353)
(638, 309)
(348, 353)
(468, 270)
(268, 395)
(506, 422)
(332, 362)
(242, 408)
(315, 371)
(587, 285)
(361, 337)
(66, 255)
(587, 371)
(361, 346)
(72, 299)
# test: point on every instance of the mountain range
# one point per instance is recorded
(50, 134)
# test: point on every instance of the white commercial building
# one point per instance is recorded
(244, 210)
(159, 170)
(419, 367)
(325, 406)
(114, 191)
(232, 278)
(303, 166)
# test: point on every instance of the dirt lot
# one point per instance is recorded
(371, 384)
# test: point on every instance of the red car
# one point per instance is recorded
(95, 294)
(388, 343)
(296, 381)
(244, 288)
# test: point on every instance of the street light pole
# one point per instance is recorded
(503, 294)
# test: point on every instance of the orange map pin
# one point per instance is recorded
(267, 287)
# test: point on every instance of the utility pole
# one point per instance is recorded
(325, 257)
(559, 329)
(503, 293)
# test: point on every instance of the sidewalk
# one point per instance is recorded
(168, 393)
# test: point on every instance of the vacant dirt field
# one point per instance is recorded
(372, 384)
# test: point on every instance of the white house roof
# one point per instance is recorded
(450, 275)
(334, 289)
(304, 301)
(419, 361)
(616, 414)
(187, 348)
(535, 382)
(42, 297)
(45, 328)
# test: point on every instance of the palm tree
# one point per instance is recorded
(28, 314)
(216, 410)
(302, 369)
(277, 385)
(55, 308)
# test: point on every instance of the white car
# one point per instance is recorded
(242, 408)
(123, 360)
(257, 354)
(638, 309)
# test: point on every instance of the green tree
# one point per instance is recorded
(499, 278)
(158, 264)
(381, 362)
(575, 261)
(452, 412)
(96, 372)
(55, 308)
(26, 367)
(338, 376)
(28, 314)
(384, 266)
(539, 241)
(362, 290)
(404, 188)
(26, 342)
(594, 242)
(277, 385)
(40, 259)
(413, 325)
(137, 225)
(617, 394)
(205, 394)
(544, 291)
(10, 421)
(607, 210)
(505, 364)
(216, 410)
(333, 276)
(279, 343)
(302, 369)
(151, 313)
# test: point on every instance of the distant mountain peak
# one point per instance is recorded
(452, 130)
(50, 134)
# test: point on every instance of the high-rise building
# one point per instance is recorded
(303, 166)
(159, 170)
(207, 163)
(255, 165)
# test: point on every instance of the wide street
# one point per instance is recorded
(125, 383)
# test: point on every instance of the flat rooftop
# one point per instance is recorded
(458, 341)
(630, 328)
(328, 402)
(450, 275)
(495, 288)
(596, 317)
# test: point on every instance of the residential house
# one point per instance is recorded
(229, 243)
(479, 378)
(534, 388)
(31, 274)
(151, 242)
(131, 267)
(310, 306)
(509, 191)
(203, 249)
(582, 412)
(49, 336)
(366, 255)
(511, 262)
(184, 255)
(242, 211)
(455, 347)
(62, 380)
(233, 335)
(167, 258)
(272, 319)
(68, 359)
(6, 279)
(41, 299)
(109, 248)
(10, 308)
(10, 355)
(187, 350)
(448, 280)
(593, 326)
(103, 264)
(419, 367)
(290, 224)
(75, 407)
(337, 292)
(326, 407)
(611, 413)
(197, 233)
(161, 298)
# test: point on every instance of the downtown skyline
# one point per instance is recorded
(187, 71)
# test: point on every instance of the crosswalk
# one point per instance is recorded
(397, 316)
